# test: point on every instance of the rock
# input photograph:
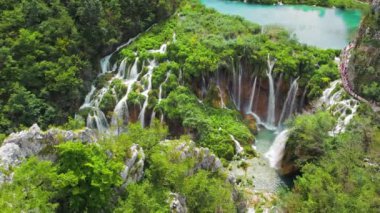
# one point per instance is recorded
(204, 159)
(177, 203)
(134, 165)
(34, 142)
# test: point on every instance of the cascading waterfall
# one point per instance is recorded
(87, 99)
(271, 117)
(344, 109)
(148, 76)
(288, 108)
(121, 70)
(121, 108)
(252, 97)
(276, 151)
(239, 149)
(105, 62)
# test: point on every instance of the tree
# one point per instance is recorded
(205, 193)
(92, 177)
(32, 189)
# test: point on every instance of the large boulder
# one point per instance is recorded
(35, 142)
(204, 159)
(177, 203)
(134, 165)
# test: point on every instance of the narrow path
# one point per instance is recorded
(343, 69)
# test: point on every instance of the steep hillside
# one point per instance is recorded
(50, 49)
(365, 64)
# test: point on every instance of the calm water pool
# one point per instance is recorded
(316, 26)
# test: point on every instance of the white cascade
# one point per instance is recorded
(148, 76)
(121, 70)
(121, 108)
(105, 61)
(252, 97)
(87, 99)
(271, 117)
(277, 150)
(239, 149)
(343, 109)
(288, 108)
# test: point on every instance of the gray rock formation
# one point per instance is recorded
(177, 203)
(34, 142)
(204, 159)
(134, 165)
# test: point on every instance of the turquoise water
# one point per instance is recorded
(315, 26)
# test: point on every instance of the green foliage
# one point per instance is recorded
(308, 138)
(50, 50)
(144, 197)
(75, 123)
(341, 181)
(321, 79)
(212, 127)
(90, 174)
(32, 189)
(205, 193)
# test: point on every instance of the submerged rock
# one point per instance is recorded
(35, 142)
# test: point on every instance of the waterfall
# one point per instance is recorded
(239, 149)
(252, 95)
(277, 150)
(271, 116)
(121, 70)
(99, 119)
(160, 87)
(288, 108)
(148, 76)
(343, 109)
(87, 99)
(105, 62)
(121, 108)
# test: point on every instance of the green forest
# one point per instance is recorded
(199, 111)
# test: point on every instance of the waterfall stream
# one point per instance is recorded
(288, 107)
(276, 151)
(271, 115)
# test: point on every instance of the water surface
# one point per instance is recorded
(315, 26)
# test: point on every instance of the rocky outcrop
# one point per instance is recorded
(134, 165)
(177, 203)
(204, 159)
(35, 142)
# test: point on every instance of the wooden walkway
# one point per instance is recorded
(343, 69)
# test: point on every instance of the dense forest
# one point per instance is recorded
(50, 52)
(172, 120)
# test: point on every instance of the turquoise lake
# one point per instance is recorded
(315, 26)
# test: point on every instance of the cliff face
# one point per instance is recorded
(364, 69)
